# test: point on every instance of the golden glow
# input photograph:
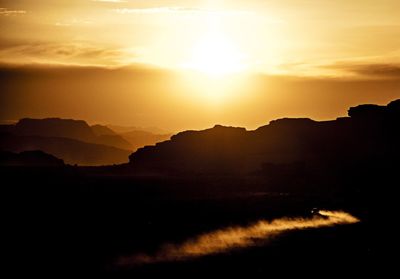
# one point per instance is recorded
(215, 89)
(216, 55)
(235, 60)
(212, 37)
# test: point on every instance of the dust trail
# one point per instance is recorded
(237, 237)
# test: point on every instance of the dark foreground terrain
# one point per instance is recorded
(145, 217)
(67, 220)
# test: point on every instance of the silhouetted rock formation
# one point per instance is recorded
(29, 158)
(72, 129)
(138, 138)
(108, 137)
(72, 140)
(55, 127)
(393, 109)
(114, 140)
(126, 129)
(101, 130)
(6, 129)
(369, 135)
(70, 150)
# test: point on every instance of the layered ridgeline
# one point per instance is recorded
(370, 135)
(284, 147)
(73, 141)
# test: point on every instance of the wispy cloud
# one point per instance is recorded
(237, 237)
(385, 66)
(369, 70)
(110, 1)
(180, 10)
(80, 53)
(73, 22)
(8, 12)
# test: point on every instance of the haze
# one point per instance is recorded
(192, 64)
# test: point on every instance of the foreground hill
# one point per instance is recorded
(370, 134)
(29, 158)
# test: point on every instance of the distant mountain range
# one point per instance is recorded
(139, 138)
(74, 141)
(125, 129)
(370, 134)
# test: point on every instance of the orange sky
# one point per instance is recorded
(191, 64)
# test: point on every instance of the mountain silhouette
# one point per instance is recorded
(74, 140)
(199, 182)
(101, 130)
(70, 150)
(55, 127)
(35, 158)
(126, 129)
(72, 129)
(139, 138)
(369, 134)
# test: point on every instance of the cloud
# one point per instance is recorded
(368, 70)
(78, 53)
(7, 12)
(180, 10)
(237, 237)
(110, 1)
(74, 22)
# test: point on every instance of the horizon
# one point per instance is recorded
(159, 130)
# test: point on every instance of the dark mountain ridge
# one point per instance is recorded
(72, 140)
(70, 150)
(139, 138)
(70, 128)
(55, 127)
(370, 132)
(35, 158)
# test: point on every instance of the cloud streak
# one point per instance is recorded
(7, 12)
(376, 70)
(180, 10)
(237, 237)
(79, 53)
(73, 22)
(110, 1)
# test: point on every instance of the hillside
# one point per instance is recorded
(29, 159)
(70, 150)
(138, 138)
(72, 129)
(370, 133)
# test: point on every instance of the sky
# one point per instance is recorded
(191, 64)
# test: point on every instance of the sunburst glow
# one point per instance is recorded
(216, 55)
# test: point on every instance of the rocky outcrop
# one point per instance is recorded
(370, 132)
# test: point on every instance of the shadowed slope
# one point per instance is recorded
(370, 133)
(29, 158)
(70, 150)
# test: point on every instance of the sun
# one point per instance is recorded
(215, 55)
